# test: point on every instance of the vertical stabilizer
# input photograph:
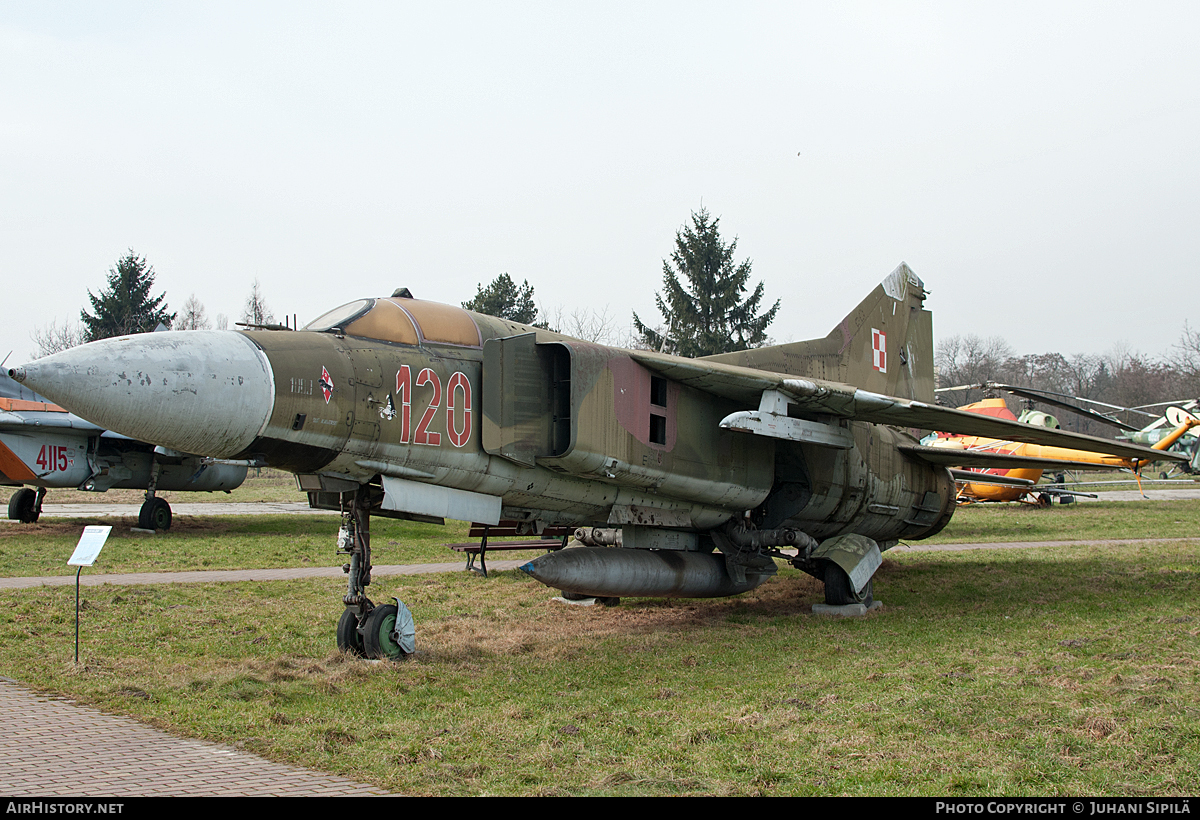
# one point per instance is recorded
(884, 345)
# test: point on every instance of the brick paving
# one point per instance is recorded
(52, 747)
(56, 748)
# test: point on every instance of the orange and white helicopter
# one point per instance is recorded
(1021, 483)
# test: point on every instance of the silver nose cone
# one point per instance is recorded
(206, 392)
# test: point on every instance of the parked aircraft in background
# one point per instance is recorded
(987, 486)
(708, 469)
(42, 447)
(1158, 423)
(1176, 413)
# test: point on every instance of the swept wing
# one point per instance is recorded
(817, 397)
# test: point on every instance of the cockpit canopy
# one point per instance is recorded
(403, 321)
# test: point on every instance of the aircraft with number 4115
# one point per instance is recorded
(43, 447)
(689, 477)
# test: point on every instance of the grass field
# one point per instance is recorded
(1056, 671)
(274, 541)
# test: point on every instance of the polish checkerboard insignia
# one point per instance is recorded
(879, 350)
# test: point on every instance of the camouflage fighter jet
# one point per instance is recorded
(708, 470)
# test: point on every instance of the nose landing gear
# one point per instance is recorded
(367, 630)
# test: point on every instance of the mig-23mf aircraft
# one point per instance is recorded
(43, 446)
(707, 469)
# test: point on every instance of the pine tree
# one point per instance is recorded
(125, 306)
(503, 299)
(702, 298)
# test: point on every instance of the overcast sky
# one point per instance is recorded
(1035, 163)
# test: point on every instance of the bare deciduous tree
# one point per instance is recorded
(970, 360)
(1185, 358)
(192, 316)
(256, 311)
(53, 338)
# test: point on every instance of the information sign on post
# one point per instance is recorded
(89, 546)
(86, 553)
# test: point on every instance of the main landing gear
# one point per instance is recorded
(365, 629)
(155, 513)
(839, 591)
(25, 505)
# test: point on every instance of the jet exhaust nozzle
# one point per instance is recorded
(634, 573)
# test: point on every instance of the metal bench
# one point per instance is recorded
(551, 539)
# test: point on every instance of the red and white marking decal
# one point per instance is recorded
(458, 433)
(404, 393)
(879, 350)
(54, 458)
(458, 437)
(326, 385)
(423, 434)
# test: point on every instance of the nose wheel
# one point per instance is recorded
(387, 632)
(25, 505)
(155, 513)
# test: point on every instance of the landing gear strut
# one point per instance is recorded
(354, 539)
(155, 513)
(366, 629)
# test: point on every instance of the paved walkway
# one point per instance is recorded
(52, 747)
(222, 575)
(1177, 492)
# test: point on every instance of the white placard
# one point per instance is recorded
(89, 546)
